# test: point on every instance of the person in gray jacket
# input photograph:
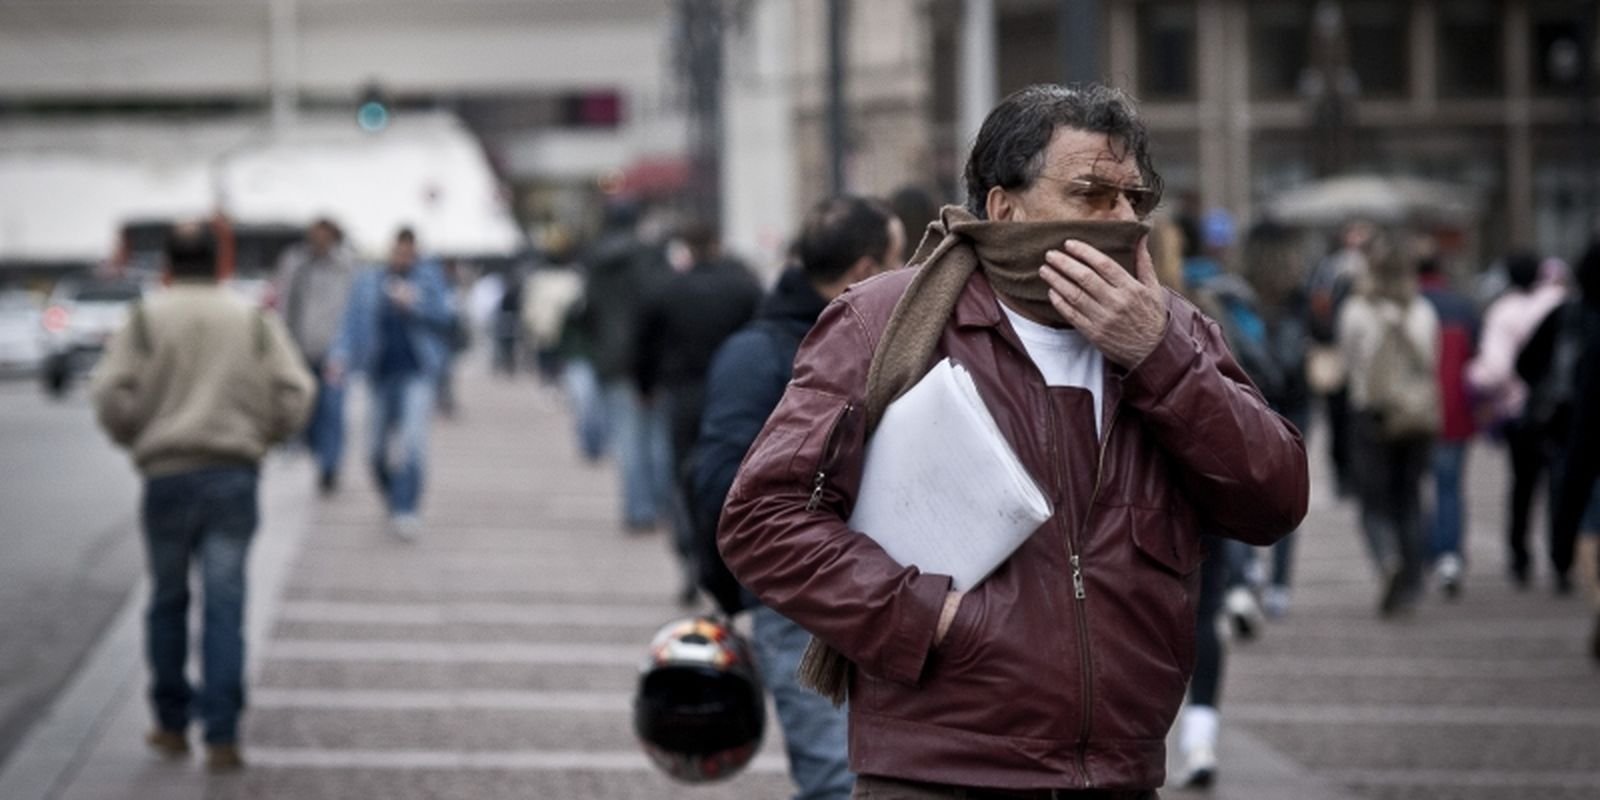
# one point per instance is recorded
(196, 386)
(313, 288)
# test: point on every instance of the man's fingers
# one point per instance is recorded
(1069, 312)
(1145, 266)
(1073, 292)
(1065, 266)
(1108, 269)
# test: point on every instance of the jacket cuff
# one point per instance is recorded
(1162, 368)
(915, 628)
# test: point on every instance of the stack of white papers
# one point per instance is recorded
(941, 489)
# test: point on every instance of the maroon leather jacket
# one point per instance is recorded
(1066, 667)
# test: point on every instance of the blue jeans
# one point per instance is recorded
(815, 734)
(588, 410)
(401, 408)
(207, 516)
(1449, 466)
(644, 454)
(325, 432)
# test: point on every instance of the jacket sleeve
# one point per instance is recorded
(119, 401)
(783, 531)
(743, 386)
(355, 328)
(1240, 464)
(292, 387)
(433, 307)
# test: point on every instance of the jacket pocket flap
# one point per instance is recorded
(1162, 539)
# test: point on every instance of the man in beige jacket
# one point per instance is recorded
(197, 385)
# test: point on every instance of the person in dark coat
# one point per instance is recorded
(844, 240)
(1561, 366)
(680, 329)
(619, 271)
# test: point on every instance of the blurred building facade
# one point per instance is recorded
(568, 98)
(1485, 94)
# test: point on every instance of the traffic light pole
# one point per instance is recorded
(1078, 38)
(837, 42)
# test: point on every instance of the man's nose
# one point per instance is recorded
(1123, 210)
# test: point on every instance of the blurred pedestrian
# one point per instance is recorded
(508, 326)
(1508, 324)
(458, 282)
(1575, 495)
(313, 287)
(197, 385)
(1065, 667)
(1274, 267)
(680, 329)
(1327, 289)
(1458, 338)
(397, 332)
(552, 312)
(915, 208)
(1389, 338)
(842, 241)
(1552, 365)
(620, 270)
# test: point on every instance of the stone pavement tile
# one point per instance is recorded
(456, 632)
(458, 729)
(1426, 691)
(637, 783)
(1322, 745)
(423, 677)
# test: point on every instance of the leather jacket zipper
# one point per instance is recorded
(1080, 592)
(830, 452)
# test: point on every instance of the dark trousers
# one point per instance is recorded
(1391, 499)
(203, 519)
(1339, 445)
(1205, 688)
(1529, 462)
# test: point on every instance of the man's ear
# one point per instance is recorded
(864, 268)
(1000, 205)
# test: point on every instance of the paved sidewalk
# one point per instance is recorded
(496, 656)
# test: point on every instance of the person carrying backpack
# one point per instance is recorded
(1388, 334)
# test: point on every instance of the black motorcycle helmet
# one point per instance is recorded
(699, 711)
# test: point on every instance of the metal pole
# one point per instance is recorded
(1586, 132)
(1078, 37)
(284, 58)
(837, 42)
(979, 83)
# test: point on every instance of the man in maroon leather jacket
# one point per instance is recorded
(1061, 673)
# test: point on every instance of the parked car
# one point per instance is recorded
(79, 318)
(21, 349)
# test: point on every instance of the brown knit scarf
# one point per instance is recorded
(955, 245)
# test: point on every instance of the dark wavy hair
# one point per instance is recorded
(1009, 151)
(838, 232)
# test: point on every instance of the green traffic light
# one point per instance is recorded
(373, 116)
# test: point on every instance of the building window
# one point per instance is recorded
(1378, 32)
(1280, 38)
(1470, 48)
(1557, 47)
(1166, 50)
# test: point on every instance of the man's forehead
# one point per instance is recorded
(1074, 152)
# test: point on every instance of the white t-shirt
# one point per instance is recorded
(1064, 357)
